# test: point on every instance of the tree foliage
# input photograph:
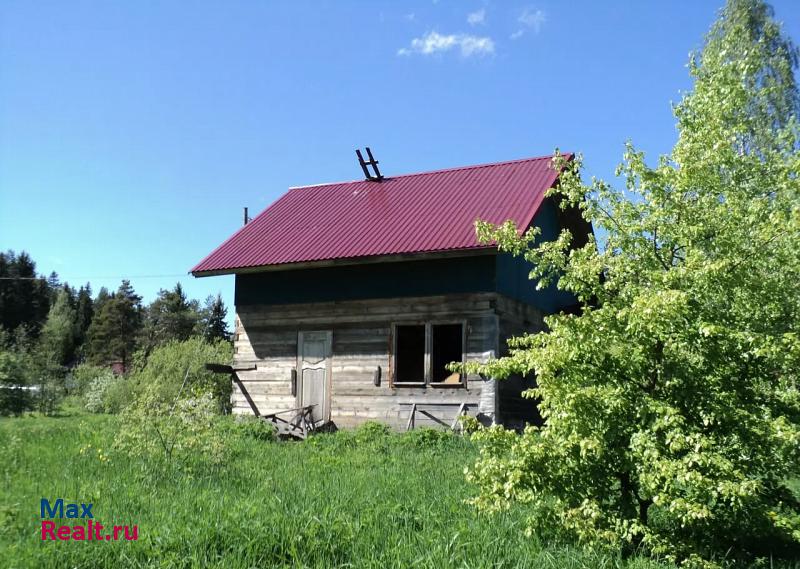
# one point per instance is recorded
(176, 401)
(170, 317)
(671, 402)
(212, 322)
(178, 370)
(113, 333)
(58, 336)
(15, 378)
(24, 296)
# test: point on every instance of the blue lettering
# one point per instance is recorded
(52, 511)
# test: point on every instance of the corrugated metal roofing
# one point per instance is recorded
(412, 213)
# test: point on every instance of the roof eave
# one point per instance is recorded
(374, 259)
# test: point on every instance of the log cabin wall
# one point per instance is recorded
(266, 340)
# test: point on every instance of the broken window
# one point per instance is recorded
(410, 354)
(446, 347)
(422, 352)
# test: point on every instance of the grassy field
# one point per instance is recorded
(334, 501)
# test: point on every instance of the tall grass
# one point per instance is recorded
(362, 499)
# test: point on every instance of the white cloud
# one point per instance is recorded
(477, 18)
(434, 42)
(531, 20)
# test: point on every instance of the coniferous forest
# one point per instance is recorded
(53, 336)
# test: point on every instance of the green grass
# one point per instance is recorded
(334, 501)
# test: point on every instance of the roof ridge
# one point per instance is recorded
(439, 171)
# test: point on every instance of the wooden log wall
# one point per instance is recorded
(266, 340)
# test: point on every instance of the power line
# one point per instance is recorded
(126, 277)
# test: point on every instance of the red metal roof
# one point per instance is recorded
(413, 213)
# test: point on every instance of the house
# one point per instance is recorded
(351, 298)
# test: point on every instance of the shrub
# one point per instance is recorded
(427, 438)
(247, 426)
(189, 432)
(118, 395)
(176, 405)
(162, 377)
(83, 375)
(371, 432)
(15, 396)
(107, 393)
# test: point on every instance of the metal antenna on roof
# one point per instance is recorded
(377, 177)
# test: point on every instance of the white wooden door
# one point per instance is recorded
(314, 357)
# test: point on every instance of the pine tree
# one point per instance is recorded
(103, 296)
(113, 333)
(171, 316)
(214, 325)
(84, 311)
(24, 297)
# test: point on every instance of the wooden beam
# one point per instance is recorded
(410, 424)
(244, 391)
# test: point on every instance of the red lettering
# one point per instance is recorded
(78, 533)
(97, 528)
(134, 534)
(117, 529)
(64, 533)
(47, 529)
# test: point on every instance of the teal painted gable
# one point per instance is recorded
(512, 273)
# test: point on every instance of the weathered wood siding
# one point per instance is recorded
(266, 339)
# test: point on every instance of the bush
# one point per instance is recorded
(427, 438)
(82, 377)
(15, 396)
(106, 393)
(176, 405)
(118, 395)
(371, 432)
(189, 433)
(247, 426)
(162, 377)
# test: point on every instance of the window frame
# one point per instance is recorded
(428, 375)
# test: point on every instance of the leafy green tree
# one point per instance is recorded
(58, 336)
(113, 333)
(213, 324)
(56, 349)
(671, 404)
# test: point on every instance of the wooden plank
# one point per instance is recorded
(411, 414)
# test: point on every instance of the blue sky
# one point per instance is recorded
(133, 133)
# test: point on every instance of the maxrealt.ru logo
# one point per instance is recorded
(89, 530)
